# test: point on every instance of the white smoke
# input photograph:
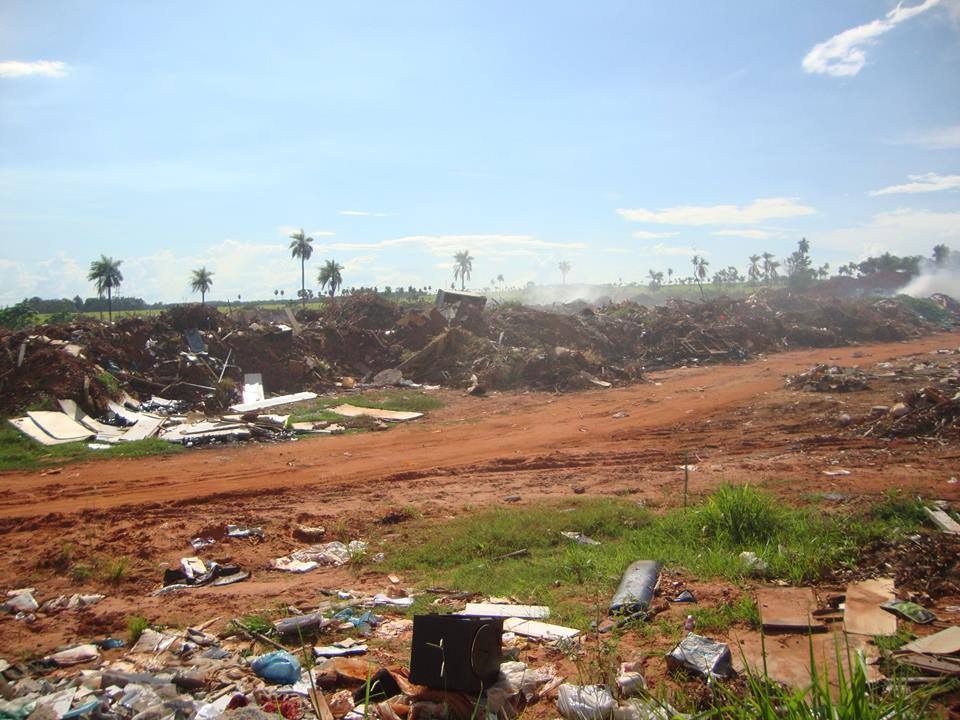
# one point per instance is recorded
(932, 279)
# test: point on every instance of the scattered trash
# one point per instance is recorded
(538, 630)
(701, 656)
(332, 554)
(909, 610)
(945, 642)
(636, 588)
(455, 652)
(504, 610)
(862, 612)
(752, 563)
(686, 596)
(943, 521)
(579, 537)
(585, 702)
(279, 668)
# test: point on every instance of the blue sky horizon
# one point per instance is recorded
(618, 136)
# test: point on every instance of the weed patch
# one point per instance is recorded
(798, 545)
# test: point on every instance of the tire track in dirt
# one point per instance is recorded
(478, 437)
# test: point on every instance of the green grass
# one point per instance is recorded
(403, 399)
(136, 624)
(18, 452)
(798, 544)
(723, 616)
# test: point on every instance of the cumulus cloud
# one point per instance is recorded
(759, 210)
(752, 234)
(945, 138)
(648, 235)
(843, 55)
(37, 68)
(903, 232)
(362, 213)
(929, 182)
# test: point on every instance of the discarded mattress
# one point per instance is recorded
(388, 415)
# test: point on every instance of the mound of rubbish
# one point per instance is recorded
(198, 355)
(829, 379)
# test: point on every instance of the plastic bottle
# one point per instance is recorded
(689, 623)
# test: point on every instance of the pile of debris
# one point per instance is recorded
(196, 354)
(928, 412)
(829, 379)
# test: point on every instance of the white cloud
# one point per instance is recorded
(288, 230)
(478, 245)
(647, 235)
(929, 182)
(362, 213)
(752, 234)
(662, 250)
(27, 68)
(903, 231)
(759, 210)
(946, 138)
(843, 55)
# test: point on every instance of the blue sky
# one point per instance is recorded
(620, 136)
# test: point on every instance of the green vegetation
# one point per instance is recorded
(926, 308)
(115, 570)
(852, 698)
(720, 617)
(258, 624)
(798, 544)
(409, 400)
(136, 624)
(18, 452)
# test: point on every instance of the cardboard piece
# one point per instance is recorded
(528, 612)
(147, 426)
(945, 642)
(538, 630)
(389, 415)
(862, 614)
(788, 608)
(943, 521)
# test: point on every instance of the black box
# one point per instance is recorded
(456, 652)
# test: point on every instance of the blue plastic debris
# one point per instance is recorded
(279, 668)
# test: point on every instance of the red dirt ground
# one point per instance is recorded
(737, 421)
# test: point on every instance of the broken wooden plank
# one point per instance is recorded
(943, 521)
(930, 664)
(389, 415)
(945, 642)
(147, 426)
(788, 608)
(273, 402)
(862, 614)
(538, 630)
(529, 612)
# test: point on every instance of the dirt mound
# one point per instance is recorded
(197, 354)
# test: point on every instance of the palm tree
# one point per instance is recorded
(753, 272)
(105, 272)
(669, 275)
(656, 279)
(301, 247)
(699, 272)
(200, 282)
(564, 267)
(330, 277)
(462, 267)
(769, 267)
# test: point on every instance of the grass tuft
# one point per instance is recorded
(739, 515)
(136, 624)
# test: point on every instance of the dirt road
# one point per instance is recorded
(470, 435)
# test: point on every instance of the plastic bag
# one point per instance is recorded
(279, 668)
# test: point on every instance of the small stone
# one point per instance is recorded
(900, 409)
